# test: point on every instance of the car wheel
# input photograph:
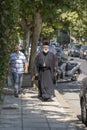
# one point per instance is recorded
(83, 112)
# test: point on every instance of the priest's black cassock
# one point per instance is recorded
(45, 68)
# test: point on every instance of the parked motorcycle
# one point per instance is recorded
(68, 70)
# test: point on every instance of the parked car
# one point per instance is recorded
(83, 100)
(83, 52)
(74, 50)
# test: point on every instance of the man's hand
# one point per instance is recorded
(36, 74)
(55, 74)
(26, 68)
(26, 71)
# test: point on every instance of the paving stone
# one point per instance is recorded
(35, 124)
(10, 128)
(41, 128)
(10, 106)
(33, 120)
(11, 111)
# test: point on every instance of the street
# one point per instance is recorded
(70, 90)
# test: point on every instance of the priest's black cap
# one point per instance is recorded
(46, 43)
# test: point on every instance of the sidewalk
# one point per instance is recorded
(29, 113)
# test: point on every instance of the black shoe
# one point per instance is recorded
(47, 99)
(16, 95)
(44, 99)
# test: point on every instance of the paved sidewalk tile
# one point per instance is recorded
(34, 114)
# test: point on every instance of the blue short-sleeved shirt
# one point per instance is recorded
(17, 61)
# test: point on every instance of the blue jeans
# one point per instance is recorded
(17, 81)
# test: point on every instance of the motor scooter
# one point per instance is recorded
(68, 70)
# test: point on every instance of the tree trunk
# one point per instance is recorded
(26, 29)
(26, 40)
(35, 38)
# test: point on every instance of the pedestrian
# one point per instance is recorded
(17, 65)
(53, 50)
(45, 71)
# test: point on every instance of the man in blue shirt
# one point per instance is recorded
(17, 64)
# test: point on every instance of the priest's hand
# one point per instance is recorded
(36, 76)
(55, 74)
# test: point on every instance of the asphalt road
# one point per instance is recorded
(70, 90)
(83, 64)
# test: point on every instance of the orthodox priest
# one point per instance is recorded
(45, 70)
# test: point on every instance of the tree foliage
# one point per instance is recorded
(8, 34)
(76, 18)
